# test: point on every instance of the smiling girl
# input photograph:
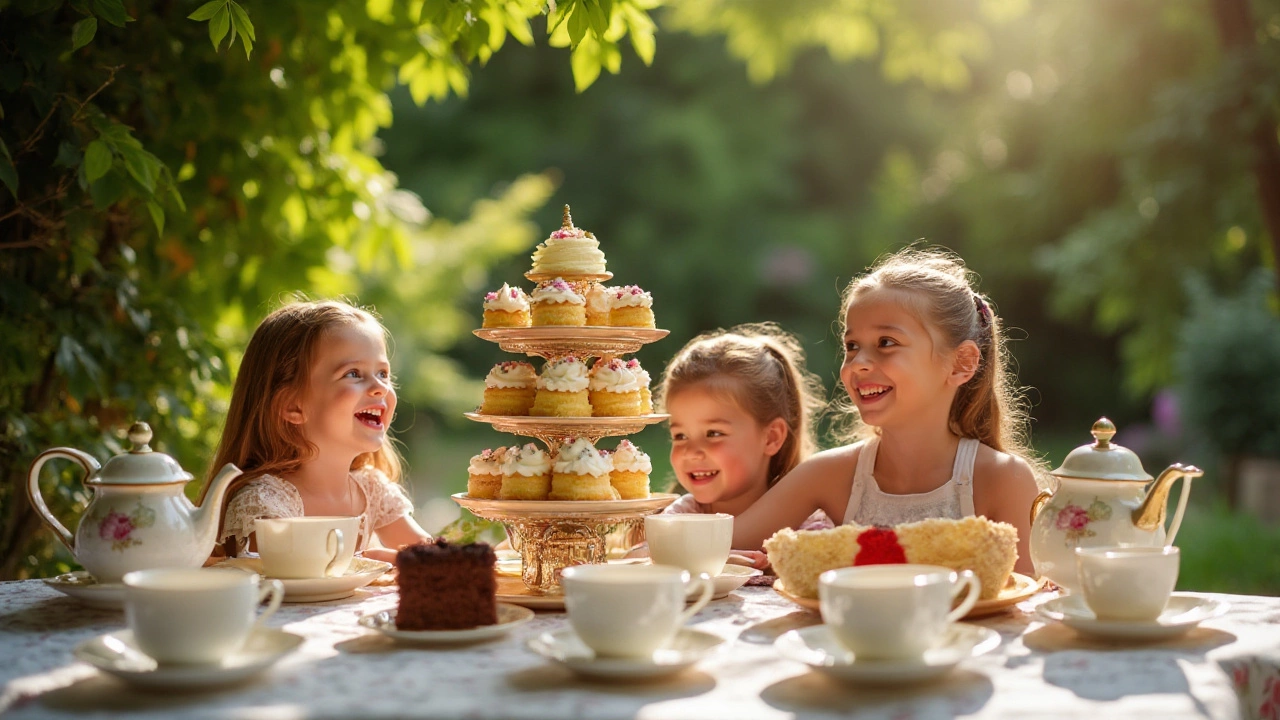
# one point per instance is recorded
(742, 408)
(308, 426)
(940, 426)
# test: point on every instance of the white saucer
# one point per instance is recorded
(686, 648)
(1183, 612)
(509, 616)
(115, 654)
(730, 578)
(817, 647)
(361, 572)
(83, 587)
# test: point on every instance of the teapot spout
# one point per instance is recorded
(1151, 514)
(206, 517)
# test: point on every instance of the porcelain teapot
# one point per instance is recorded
(138, 517)
(1104, 497)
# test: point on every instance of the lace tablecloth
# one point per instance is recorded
(1226, 669)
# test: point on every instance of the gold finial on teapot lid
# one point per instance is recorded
(140, 436)
(567, 223)
(1102, 432)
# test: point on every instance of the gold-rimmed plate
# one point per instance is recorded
(590, 340)
(556, 509)
(563, 427)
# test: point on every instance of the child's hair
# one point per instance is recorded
(274, 373)
(760, 368)
(939, 290)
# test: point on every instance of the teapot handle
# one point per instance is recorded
(85, 460)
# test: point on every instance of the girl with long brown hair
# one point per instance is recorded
(938, 425)
(308, 422)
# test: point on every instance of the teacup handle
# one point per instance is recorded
(704, 597)
(967, 581)
(273, 589)
(335, 538)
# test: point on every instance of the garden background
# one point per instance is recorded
(171, 171)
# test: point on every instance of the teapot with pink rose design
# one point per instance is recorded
(138, 517)
(1104, 497)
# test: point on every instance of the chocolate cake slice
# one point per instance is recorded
(444, 586)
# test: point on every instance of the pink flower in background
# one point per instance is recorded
(115, 526)
(1072, 517)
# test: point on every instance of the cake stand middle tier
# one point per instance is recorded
(554, 341)
(553, 535)
(551, 430)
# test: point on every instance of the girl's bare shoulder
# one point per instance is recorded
(996, 469)
(835, 460)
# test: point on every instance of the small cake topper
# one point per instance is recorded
(567, 224)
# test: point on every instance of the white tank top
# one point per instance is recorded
(869, 505)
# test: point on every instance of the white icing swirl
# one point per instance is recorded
(632, 296)
(511, 375)
(506, 299)
(642, 375)
(614, 377)
(528, 461)
(600, 298)
(557, 291)
(488, 462)
(566, 374)
(629, 458)
(580, 457)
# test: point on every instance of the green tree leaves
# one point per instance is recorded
(82, 32)
(224, 16)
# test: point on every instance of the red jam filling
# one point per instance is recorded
(879, 546)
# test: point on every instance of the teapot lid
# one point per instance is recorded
(1101, 460)
(141, 465)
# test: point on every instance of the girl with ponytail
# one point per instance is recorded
(937, 424)
(742, 407)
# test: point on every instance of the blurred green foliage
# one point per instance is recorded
(159, 196)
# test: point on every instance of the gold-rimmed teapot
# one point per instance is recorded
(138, 517)
(1104, 497)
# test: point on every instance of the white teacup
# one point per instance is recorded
(893, 612)
(306, 547)
(195, 615)
(1127, 582)
(629, 610)
(698, 543)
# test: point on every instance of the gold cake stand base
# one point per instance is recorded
(553, 535)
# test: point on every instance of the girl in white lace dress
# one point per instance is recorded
(308, 426)
(936, 417)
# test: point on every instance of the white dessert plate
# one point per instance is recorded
(115, 654)
(686, 648)
(361, 572)
(818, 647)
(1183, 612)
(730, 578)
(83, 587)
(509, 616)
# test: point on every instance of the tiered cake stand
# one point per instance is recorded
(553, 535)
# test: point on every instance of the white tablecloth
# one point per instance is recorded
(343, 670)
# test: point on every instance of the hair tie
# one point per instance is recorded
(984, 311)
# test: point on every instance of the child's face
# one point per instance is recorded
(891, 370)
(350, 401)
(718, 451)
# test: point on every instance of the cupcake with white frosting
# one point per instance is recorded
(581, 472)
(643, 379)
(484, 474)
(562, 389)
(557, 303)
(630, 473)
(506, 307)
(631, 307)
(614, 390)
(599, 304)
(526, 474)
(509, 389)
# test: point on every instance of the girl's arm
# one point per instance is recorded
(402, 531)
(1004, 487)
(821, 482)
